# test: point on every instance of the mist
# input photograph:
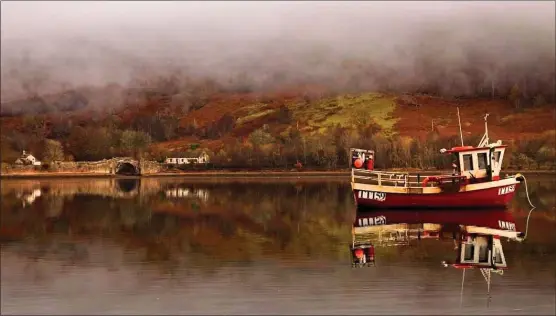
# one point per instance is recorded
(451, 48)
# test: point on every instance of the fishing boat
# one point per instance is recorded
(475, 180)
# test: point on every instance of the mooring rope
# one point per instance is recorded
(527, 224)
(527, 190)
(532, 208)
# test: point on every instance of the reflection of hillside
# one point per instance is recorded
(232, 224)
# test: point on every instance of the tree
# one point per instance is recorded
(7, 152)
(53, 151)
(133, 142)
(539, 100)
(90, 143)
(284, 114)
(259, 138)
(36, 125)
(515, 96)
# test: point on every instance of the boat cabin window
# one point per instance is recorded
(497, 156)
(482, 160)
(483, 253)
(467, 162)
(469, 252)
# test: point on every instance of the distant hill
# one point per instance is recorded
(273, 123)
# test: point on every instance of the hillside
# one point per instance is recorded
(309, 124)
(394, 115)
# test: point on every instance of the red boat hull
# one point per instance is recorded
(484, 198)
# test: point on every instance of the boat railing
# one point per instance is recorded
(399, 179)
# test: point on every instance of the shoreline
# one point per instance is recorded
(225, 174)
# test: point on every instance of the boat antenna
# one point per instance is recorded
(486, 129)
(460, 132)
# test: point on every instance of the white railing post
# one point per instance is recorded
(379, 179)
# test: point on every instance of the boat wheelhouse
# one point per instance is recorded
(475, 180)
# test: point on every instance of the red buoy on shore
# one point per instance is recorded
(370, 164)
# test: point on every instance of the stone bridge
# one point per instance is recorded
(119, 166)
(115, 166)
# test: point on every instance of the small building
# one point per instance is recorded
(203, 158)
(27, 159)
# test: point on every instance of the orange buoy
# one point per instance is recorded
(358, 163)
(359, 253)
(430, 178)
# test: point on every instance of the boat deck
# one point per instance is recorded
(403, 179)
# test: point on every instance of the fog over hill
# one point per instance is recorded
(453, 48)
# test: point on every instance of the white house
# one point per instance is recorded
(28, 159)
(203, 158)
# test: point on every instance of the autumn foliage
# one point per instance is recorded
(306, 126)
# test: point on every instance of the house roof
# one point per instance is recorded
(190, 157)
(470, 148)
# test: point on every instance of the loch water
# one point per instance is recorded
(245, 246)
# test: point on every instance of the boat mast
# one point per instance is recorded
(460, 133)
(484, 141)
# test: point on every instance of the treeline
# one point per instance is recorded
(330, 151)
(263, 148)
(65, 142)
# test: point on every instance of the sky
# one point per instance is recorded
(49, 45)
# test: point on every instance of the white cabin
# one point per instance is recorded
(27, 159)
(481, 162)
(475, 162)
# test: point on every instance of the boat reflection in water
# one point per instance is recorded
(476, 236)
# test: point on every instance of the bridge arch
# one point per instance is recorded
(127, 168)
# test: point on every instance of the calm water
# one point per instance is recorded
(278, 246)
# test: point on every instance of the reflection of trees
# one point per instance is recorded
(55, 205)
(239, 222)
(107, 187)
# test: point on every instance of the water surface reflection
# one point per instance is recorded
(252, 246)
